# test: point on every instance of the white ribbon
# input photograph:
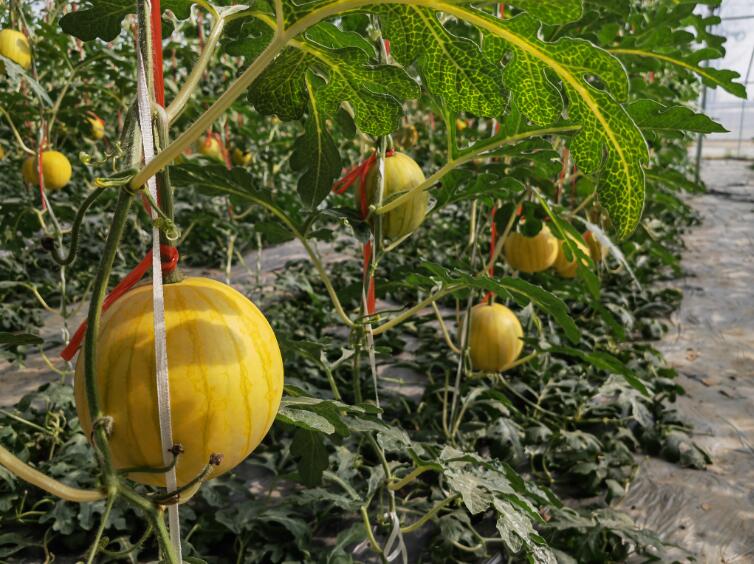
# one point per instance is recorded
(158, 302)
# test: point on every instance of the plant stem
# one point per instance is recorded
(370, 535)
(431, 513)
(155, 519)
(412, 311)
(282, 216)
(410, 477)
(473, 152)
(16, 134)
(89, 351)
(176, 107)
(33, 476)
(501, 240)
(444, 329)
(75, 230)
(195, 130)
(101, 528)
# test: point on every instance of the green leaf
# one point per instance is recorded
(451, 67)
(316, 157)
(514, 527)
(604, 361)
(673, 179)
(331, 36)
(523, 292)
(16, 73)
(519, 290)
(15, 339)
(281, 89)
(374, 91)
(558, 12)
(312, 456)
(254, 36)
(103, 19)
(609, 142)
(305, 419)
(650, 114)
(710, 76)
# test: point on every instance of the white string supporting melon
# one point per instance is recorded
(158, 302)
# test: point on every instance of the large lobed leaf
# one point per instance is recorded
(103, 19)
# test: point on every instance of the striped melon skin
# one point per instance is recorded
(15, 46)
(401, 174)
(56, 169)
(531, 254)
(226, 377)
(494, 337)
(567, 268)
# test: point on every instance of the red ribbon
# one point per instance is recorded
(360, 172)
(169, 256)
(493, 243)
(159, 81)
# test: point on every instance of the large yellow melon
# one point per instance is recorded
(401, 174)
(225, 371)
(494, 337)
(531, 254)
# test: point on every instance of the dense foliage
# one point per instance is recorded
(565, 114)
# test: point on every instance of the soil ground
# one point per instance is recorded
(711, 343)
(708, 514)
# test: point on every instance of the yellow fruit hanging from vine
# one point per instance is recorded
(56, 170)
(494, 338)
(531, 254)
(401, 174)
(225, 371)
(15, 46)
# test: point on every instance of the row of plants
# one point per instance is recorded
(473, 375)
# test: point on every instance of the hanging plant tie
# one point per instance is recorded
(360, 173)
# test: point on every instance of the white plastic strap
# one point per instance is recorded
(368, 282)
(395, 538)
(158, 301)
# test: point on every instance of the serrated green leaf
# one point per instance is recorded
(558, 12)
(604, 361)
(281, 89)
(254, 37)
(650, 114)
(712, 77)
(312, 456)
(313, 460)
(451, 67)
(16, 73)
(330, 36)
(375, 92)
(315, 155)
(608, 142)
(103, 19)
(519, 290)
(305, 419)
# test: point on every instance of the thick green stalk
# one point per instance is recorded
(33, 476)
(95, 312)
(176, 107)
